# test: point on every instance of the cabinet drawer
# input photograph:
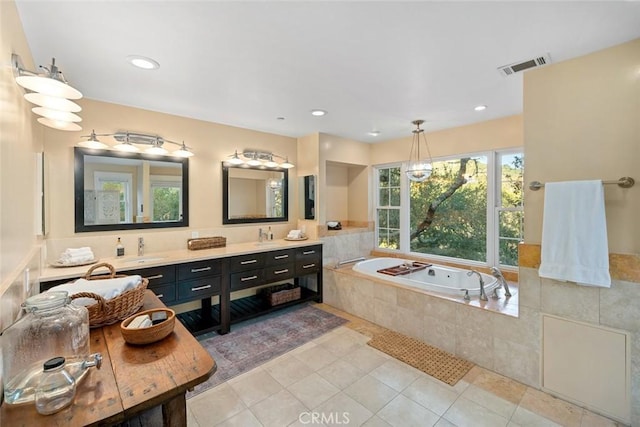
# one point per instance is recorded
(307, 267)
(246, 262)
(247, 279)
(309, 253)
(200, 288)
(279, 272)
(156, 275)
(280, 257)
(193, 270)
(166, 293)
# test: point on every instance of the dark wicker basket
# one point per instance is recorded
(280, 294)
(206, 243)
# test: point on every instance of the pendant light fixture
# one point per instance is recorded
(419, 169)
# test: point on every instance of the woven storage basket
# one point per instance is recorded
(152, 333)
(108, 312)
(280, 294)
(206, 243)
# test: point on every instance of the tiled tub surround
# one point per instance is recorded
(506, 344)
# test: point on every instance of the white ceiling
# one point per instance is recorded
(371, 65)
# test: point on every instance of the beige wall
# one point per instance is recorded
(490, 135)
(211, 142)
(582, 121)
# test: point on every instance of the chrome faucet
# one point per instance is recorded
(140, 246)
(261, 235)
(483, 295)
(495, 271)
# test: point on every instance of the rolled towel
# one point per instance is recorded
(106, 288)
(71, 255)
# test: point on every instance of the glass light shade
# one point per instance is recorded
(48, 86)
(93, 144)
(52, 102)
(235, 160)
(286, 164)
(254, 162)
(274, 184)
(270, 163)
(126, 147)
(419, 172)
(65, 116)
(183, 151)
(156, 149)
(59, 124)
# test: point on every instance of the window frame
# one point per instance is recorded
(165, 181)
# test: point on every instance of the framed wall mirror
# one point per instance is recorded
(251, 195)
(124, 191)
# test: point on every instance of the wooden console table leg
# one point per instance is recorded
(174, 412)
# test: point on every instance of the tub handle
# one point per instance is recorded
(466, 294)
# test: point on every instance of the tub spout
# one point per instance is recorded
(483, 295)
(495, 271)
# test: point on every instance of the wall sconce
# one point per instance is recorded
(419, 169)
(261, 159)
(51, 92)
(129, 141)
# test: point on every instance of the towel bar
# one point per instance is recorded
(624, 182)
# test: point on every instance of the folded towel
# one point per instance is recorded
(294, 234)
(574, 234)
(71, 255)
(106, 288)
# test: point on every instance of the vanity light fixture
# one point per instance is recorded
(129, 141)
(261, 159)
(419, 169)
(51, 92)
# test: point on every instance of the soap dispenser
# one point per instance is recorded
(269, 234)
(119, 248)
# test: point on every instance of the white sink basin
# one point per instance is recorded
(266, 244)
(143, 259)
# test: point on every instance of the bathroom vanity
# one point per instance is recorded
(224, 274)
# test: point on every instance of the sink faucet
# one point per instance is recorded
(495, 271)
(140, 246)
(483, 295)
(261, 235)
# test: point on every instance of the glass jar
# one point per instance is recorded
(50, 326)
(56, 387)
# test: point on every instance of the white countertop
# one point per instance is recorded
(131, 262)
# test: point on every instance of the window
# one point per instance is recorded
(115, 182)
(388, 208)
(470, 209)
(166, 198)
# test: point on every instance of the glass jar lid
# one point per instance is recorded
(46, 301)
(54, 363)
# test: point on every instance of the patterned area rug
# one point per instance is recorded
(254, 342)
(431, 360)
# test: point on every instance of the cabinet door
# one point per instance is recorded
(193, 270)
(247, 279)
(199, 288)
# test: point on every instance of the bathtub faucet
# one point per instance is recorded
(495, 271)
(483, 295)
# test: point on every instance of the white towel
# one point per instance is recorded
(294, 234)
(71, 255)
(106, 288)
(574, 234)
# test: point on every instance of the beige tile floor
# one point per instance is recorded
(338, 380)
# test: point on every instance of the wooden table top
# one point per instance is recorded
(132, 379)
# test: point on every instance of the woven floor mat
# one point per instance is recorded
(430, 360)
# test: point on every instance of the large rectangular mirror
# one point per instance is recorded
(122, 191)
(252, 195)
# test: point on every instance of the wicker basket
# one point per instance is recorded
(108, 312)
(206, 243)
(281, 294)
(152, 333)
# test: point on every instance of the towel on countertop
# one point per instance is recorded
(574, 234)
(106, 288)
(73, 255)
(294, 234)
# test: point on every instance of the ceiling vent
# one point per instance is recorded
(507, 70)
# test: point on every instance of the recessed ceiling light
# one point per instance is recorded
(318, 113)
(374, 133)
(143, 62)
(480, 108)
